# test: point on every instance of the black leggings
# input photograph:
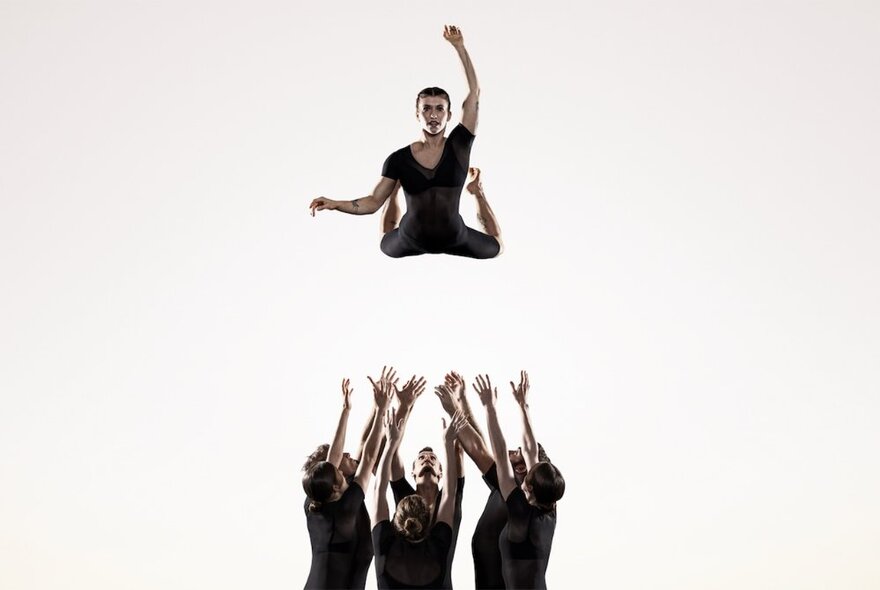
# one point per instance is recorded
(475, 245)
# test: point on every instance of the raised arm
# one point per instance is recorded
(382, 393)
(394, 433)
(446, 510)
(363, 206)
(469, 438)
(472, 100)
(368, 427)
(406, 397)
(489, 397)
(521, 395)
(334, 453)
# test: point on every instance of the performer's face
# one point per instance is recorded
(427, 466)
(348, 466)
(518, 464)
(433, 113)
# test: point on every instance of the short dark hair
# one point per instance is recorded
(318, 455)
(547, 484)
(318, 483)
(433, 91)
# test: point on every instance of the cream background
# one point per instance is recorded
(688, 194)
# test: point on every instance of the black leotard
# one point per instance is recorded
(484, 544)
(341, 545)
(402, 488)
(401, 564)
(432, 224)
(525, 542)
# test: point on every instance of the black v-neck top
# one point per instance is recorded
(433, 194)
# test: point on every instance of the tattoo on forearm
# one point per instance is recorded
(481, 220)
(355, 206)
(478, 105)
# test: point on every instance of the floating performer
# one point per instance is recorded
(432, 172)
(410, 551)
(526, 540)
(336, 517)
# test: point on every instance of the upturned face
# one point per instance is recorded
(433, 114)
(348, 466)
(518, 464)
(427, 467)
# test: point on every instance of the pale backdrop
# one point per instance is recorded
(689, 198)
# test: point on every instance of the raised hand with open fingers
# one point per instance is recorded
(521, 391)
(456, 423)
(388, 374)
(456, 384)
(411, 390)
(393, 425)
(452, 34)
(483, 387)
(346, 394)
(447, 399)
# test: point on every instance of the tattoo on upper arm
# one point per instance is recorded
(355, 205)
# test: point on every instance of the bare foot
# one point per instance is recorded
(474, 187)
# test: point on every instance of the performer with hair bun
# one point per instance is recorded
(336, 516)
(410, 551)
(527, 537)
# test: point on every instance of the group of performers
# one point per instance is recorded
(414, 546)
(432, 172)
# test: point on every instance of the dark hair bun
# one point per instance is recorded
(412, 527)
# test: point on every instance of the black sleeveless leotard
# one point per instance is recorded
(401, 564)
(402, 488)
(432, 224)
(342, 548)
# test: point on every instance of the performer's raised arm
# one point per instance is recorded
(394, 434)
(406, 397)
(382, 396)
(489, 397)
(334, 453)
(446, 510)
(452, 398)
(520, 394)
(472, 101)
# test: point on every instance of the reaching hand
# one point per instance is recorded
(384, 389)
(483, 387)
(447, 400)
(521, 392)
(453, 35)
(346, 394)
(411, 390)
(393, 426)
(322, 203)
(388, 374)
(458, 421)
(456, 384)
